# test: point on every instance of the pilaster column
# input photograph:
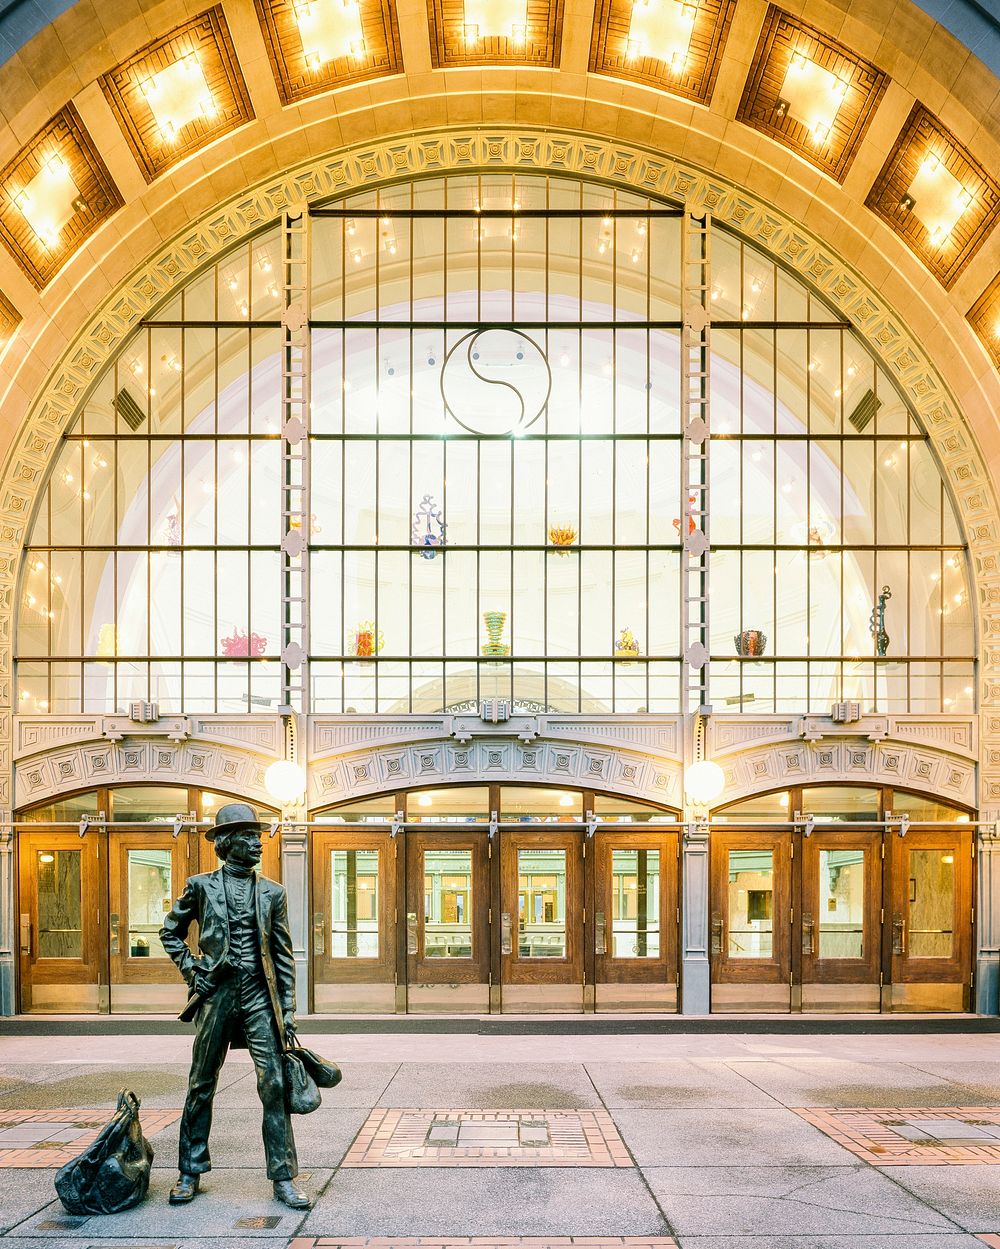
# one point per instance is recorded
(695, 966)
(8, 921)
(295, 877)
(987, 982)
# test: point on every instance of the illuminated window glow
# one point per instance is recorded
(661, 28)
(505, 18)
(813, 95)
(49, 200)
(938, 199)
(177, 96)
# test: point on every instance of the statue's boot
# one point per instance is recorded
(184, 1190)
(289, 1192)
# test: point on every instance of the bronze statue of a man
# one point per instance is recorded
(242, 987)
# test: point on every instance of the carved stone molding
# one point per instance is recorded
(386, 768)
(651, 172)
(852, 762)
(661, 736)
(136, 760)
(37, 734)
(957, 735)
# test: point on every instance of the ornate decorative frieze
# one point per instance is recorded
(204, 764)
(857, 763)
(385, 768)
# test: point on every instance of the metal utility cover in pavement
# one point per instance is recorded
(488, 1138)
(258, 1222)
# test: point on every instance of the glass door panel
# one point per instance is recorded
(841, 928)
(354, 903)
(750, 919)
(353, 921)
(541, 921)
(931, 919)
(61, 962)
(447, 920)
(147, 869)
(635, 920)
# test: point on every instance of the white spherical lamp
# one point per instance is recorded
(285, 781)
(703, 782)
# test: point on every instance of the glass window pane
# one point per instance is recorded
(623, 811)
(369, 811)
(448, 903)
(832, 804)
(931, 904)
(60, 903)
(763, 807)
(751, 896)
(528, 802)
(354, 904)
(449, 806)
(150, 890)
(635, 903)
(62, 809)
(924, 807)
(541, 903)
(841, 903)
(148, 803)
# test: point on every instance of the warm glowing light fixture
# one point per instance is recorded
(811, 95)
(285, 781)
(504, 18)
(661, 28)
(937, 199)
(49, 200)
(178, 95)
(703, 782)
(328, 29)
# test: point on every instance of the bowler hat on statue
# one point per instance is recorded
(234, 817)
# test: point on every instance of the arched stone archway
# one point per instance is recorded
(581, 155)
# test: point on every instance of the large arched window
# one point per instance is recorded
(514, 378)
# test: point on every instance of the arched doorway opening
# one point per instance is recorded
(92, 895)
(494, 897)
(866, 907)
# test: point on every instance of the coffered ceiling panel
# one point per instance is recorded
(10, 318)
(811, 93)
(316, 45)
(53, 195)
(935, 195)
(179, 93)
(984, 316)
(495, 32)
(672, 44)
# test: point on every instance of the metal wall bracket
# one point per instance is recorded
(397, 824)
(493, 824)
(808, 823)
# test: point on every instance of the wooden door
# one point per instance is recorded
(541, 921)
(147, 869)
(354, 921)
(635, 920)
(447, 921)
(840, 908)
(931, 925)
(750, 904)
(61, 922)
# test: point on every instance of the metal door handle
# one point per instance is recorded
(114, 921)
(808, 934)
(319, 932)
(600, 933)
(411, 932)
(26, 935)
(716, 933)
(505, 941)
(898, 935)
